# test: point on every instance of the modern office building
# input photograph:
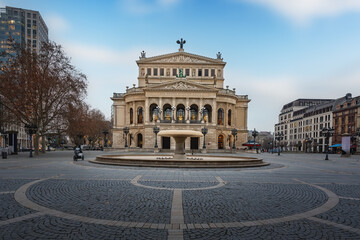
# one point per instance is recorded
(27, 28)
(182, 91)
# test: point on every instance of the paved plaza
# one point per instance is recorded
(299, 196)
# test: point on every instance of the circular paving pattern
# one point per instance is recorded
(130, 203)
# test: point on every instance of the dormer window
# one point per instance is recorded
(148, 71)
(212, 72)
(174, 72)
(199, 72)
(155, 71)
(161, 72)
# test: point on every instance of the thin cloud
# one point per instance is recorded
(144, 7)
(57, 23)
(304, 11)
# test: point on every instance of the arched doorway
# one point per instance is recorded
(194, 113)
(152, 112)
(208, 113)
(221, 141)
(139, 140)
(180, 113)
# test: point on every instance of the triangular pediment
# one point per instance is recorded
(181, 57)
(181, 85)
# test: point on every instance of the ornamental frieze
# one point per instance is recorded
(181, 58)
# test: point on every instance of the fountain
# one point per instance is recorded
(179, 137)
(178, 158)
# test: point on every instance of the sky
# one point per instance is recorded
(276, 50)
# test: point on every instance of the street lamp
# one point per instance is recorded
(30, 129)
(279, 137)
(255, 134)
(105, 132)
(327, 133)
(156, 130)
(234, 133)
(126, 131)
(204, 131)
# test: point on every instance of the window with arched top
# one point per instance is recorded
(131, 116)
(167, 113)
(180, 113)
(220, 117)
(153, 113)
(194, 112)
(140, 115)
(229, 117)
(208, 113)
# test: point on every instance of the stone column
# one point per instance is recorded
(187, 113)
(174, 104)
(214, 112)
(200, 107)
(146, 111)
(160, 105)
(134, 113)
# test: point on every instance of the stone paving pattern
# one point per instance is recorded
(100, 202)
(291, 230)
(248, 202)
(114, 200)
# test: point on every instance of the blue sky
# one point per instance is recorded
(276, 50)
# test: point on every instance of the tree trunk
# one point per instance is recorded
(43, 147)
(36, 144)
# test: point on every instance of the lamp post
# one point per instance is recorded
(156, 130)
(234, 133)
(279, 137)
(204, 131)
(126, 131)
(255, 134)
(327, 133)
(105, 132)
(30, 129)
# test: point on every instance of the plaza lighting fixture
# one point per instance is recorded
(327, 133)
(279, 137)
(204, 131)
(234, 133)
(30, 129)
(126, 131)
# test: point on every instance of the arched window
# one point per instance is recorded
(180, 113)
(153, 115)
(229, 117)
(131, 116)
(220, 117)
(167, 113)
(194, 112)
(209, 113)
(140, 115)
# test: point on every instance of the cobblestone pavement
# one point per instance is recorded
(299, 196)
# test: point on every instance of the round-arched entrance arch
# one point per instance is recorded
(221, 141)
(140, 140)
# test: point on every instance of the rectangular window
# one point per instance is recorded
(206, 74)
(212, 72)
(187, 72)
(34, 22)
(34, 32)
(148, 71)
(199, 72)
(34, 15)
(174, 71)
(34, 43)
(155, 71)
(29, 15)
(161, 72)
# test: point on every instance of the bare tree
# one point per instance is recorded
(38, 87)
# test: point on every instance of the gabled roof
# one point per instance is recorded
(181, 57)
(180, 85)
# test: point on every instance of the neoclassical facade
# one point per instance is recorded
(179, 91)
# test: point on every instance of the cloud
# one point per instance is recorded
(57, 23)
(304, 11)
(144, 7)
